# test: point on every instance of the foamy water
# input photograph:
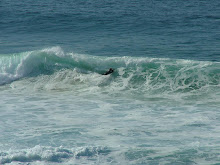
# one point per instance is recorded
(160, 106)
(59, 108)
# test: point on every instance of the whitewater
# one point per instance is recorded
(58, 108)
(160, 106)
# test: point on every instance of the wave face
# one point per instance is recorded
(140, 76)
(59, 108)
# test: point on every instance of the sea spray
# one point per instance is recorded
(136, 76)
(57, 107)
(161, 106)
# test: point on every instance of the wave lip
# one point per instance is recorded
(33, 63)
(145, 77)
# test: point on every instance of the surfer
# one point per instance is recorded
(109, 71)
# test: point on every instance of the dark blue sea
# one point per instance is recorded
(160, 106)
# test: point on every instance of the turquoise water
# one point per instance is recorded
(160, 106)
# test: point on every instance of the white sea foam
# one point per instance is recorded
(135, 77)
(50, 155)
(149, 111)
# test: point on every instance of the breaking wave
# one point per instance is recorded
(54, 70)
(51, 154)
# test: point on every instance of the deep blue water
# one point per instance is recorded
(174, 29)
(160, 106)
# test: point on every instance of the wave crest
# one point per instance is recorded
(53, 69)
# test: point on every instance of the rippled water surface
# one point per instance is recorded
(159, 106)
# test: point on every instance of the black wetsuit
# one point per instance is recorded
(109, 72)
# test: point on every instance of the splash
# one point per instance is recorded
(51, 154)
(52, 69)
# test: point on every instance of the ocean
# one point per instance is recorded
(160, 106)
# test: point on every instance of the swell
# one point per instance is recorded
(136, 74)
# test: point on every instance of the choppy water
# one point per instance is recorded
(160, 106)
